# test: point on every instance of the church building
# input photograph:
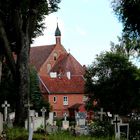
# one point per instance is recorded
(61, 77)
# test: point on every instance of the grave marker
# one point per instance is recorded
(65, 123)
(43, 110)
(117, 122)
(5, 105)
(1, 122)
(101, 113)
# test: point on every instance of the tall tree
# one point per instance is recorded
(114, 82)
(20, 21)
(128, 13)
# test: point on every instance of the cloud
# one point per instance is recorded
(81, 31)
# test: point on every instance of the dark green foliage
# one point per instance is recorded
(114, 82)
(7, 88)
(35, 93)
(128, 13)
(101, 129)
(134, 129)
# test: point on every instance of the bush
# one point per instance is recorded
(134, 129)
(101, 129)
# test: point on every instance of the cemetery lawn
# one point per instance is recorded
(22, 134)
(66, 136)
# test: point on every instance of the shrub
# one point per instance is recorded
(134, 129)
(101, 129)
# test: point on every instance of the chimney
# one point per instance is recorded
(68, 75)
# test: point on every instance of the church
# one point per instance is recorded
(61, 77)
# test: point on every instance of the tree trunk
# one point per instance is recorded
(23, 81)
(0, 70)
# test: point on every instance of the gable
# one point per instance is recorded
(39, 54)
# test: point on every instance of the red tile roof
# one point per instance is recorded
(67, 63)
(63, 84)
(39, 54)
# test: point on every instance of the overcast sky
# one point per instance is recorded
(87, 27)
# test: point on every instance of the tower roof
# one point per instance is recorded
(57, 31)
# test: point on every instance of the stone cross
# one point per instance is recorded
(28, 105)
(5, 105)
(101, 113)
(117, 121)
(65, 116)
(43, 110)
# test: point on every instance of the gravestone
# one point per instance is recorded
(1, 122)
(127, 129)
(65, 123)
(80, 118)
(43, 110)
(101, 113)
(117, 121)
(50, 119)
(5, 105)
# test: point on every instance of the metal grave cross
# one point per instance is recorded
(5, 105)
(101, 113)
(116, 121)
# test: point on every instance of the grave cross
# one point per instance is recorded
(28, 105)
(43, 110)
(116, 121)
(65, 116)
(5, 105)
(101, 113)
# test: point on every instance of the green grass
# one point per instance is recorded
(22, 134)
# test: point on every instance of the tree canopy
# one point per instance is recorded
(114, 82)
(128, 13)
(20, 21)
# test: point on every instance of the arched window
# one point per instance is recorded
(48, 68)
(55, 56)
(54, 99)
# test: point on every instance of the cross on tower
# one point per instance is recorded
(101, 113)
(5, 105)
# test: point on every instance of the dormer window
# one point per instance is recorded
(55, 56)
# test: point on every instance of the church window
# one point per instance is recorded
(65, 100)
(54, 114)
(54, 99)
(48, 68)
(55, 56)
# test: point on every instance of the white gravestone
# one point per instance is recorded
(101, 113)
(5, 105)
(1, 122)
(127, 129)
(117, 121)
(65, 123)
(80, 118)
(50, 120)
(43, 110)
